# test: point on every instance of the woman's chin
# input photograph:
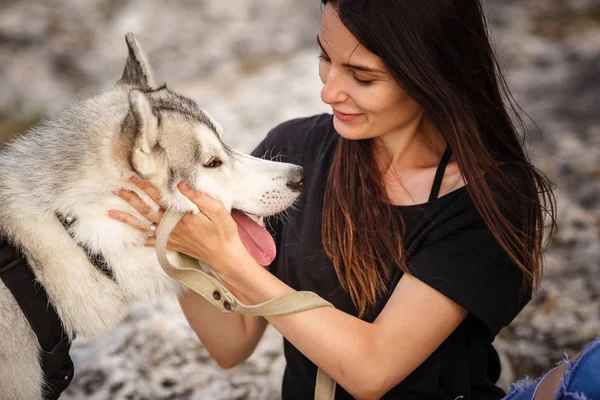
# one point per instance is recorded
(349, 131)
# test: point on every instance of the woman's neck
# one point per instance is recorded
(415, 146)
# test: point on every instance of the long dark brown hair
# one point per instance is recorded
(440, 54)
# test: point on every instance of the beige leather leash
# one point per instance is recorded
(214, 292)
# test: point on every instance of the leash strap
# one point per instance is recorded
(190, 275)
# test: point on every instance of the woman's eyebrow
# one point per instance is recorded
(353, 66)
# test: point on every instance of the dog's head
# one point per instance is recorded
(172, 140)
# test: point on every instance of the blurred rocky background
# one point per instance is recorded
(253, 64)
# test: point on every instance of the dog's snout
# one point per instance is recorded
(296, 179)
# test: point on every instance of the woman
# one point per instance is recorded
(420, 218)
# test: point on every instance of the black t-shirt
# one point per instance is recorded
(448, 246)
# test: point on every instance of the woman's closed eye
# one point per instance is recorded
(362, 82)
(323, 57)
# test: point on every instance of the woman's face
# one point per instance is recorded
(366, 100)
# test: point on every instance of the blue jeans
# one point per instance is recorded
(580, 381)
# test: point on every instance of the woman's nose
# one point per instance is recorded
(332, 89)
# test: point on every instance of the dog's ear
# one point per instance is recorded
(146, 126)
(137, 70)
(215, 123)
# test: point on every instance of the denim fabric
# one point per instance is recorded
(580, 381)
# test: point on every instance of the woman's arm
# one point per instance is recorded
(229, 339)
(367, 359)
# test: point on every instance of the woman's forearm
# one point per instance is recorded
(332, 339)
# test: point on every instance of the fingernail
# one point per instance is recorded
(184, 187)
(113, 214)
(118, 192)
(135, 179)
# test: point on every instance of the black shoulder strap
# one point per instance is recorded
(55, 344)
(439, 174)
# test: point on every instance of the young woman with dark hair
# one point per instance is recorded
(421, 220)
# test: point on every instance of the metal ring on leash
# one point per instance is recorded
(151, 232)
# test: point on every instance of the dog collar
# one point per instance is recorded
(97, 259)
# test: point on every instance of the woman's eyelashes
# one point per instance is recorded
(362, 82)
(323, 57)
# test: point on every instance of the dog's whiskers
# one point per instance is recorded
(285, 215)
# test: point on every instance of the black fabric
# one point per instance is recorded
(55, 344)
(448, 246)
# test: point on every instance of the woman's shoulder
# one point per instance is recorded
(290, 139)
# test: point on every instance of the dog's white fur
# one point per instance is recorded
(71, 164)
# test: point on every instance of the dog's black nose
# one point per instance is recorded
(296, 179)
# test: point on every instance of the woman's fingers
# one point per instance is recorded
(130, 220)
(206, 204)
(150, 190)
(136, 202)
(135, 223)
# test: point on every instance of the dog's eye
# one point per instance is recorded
(213, 163)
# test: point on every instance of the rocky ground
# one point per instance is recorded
(551, 52)
(252, 65)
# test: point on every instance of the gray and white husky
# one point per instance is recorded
(70, 165)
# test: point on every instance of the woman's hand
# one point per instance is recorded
(210, 236)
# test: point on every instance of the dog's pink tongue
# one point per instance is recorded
(257, 240)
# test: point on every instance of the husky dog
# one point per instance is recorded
(56, 185)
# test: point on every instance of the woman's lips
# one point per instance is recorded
(346, 117)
